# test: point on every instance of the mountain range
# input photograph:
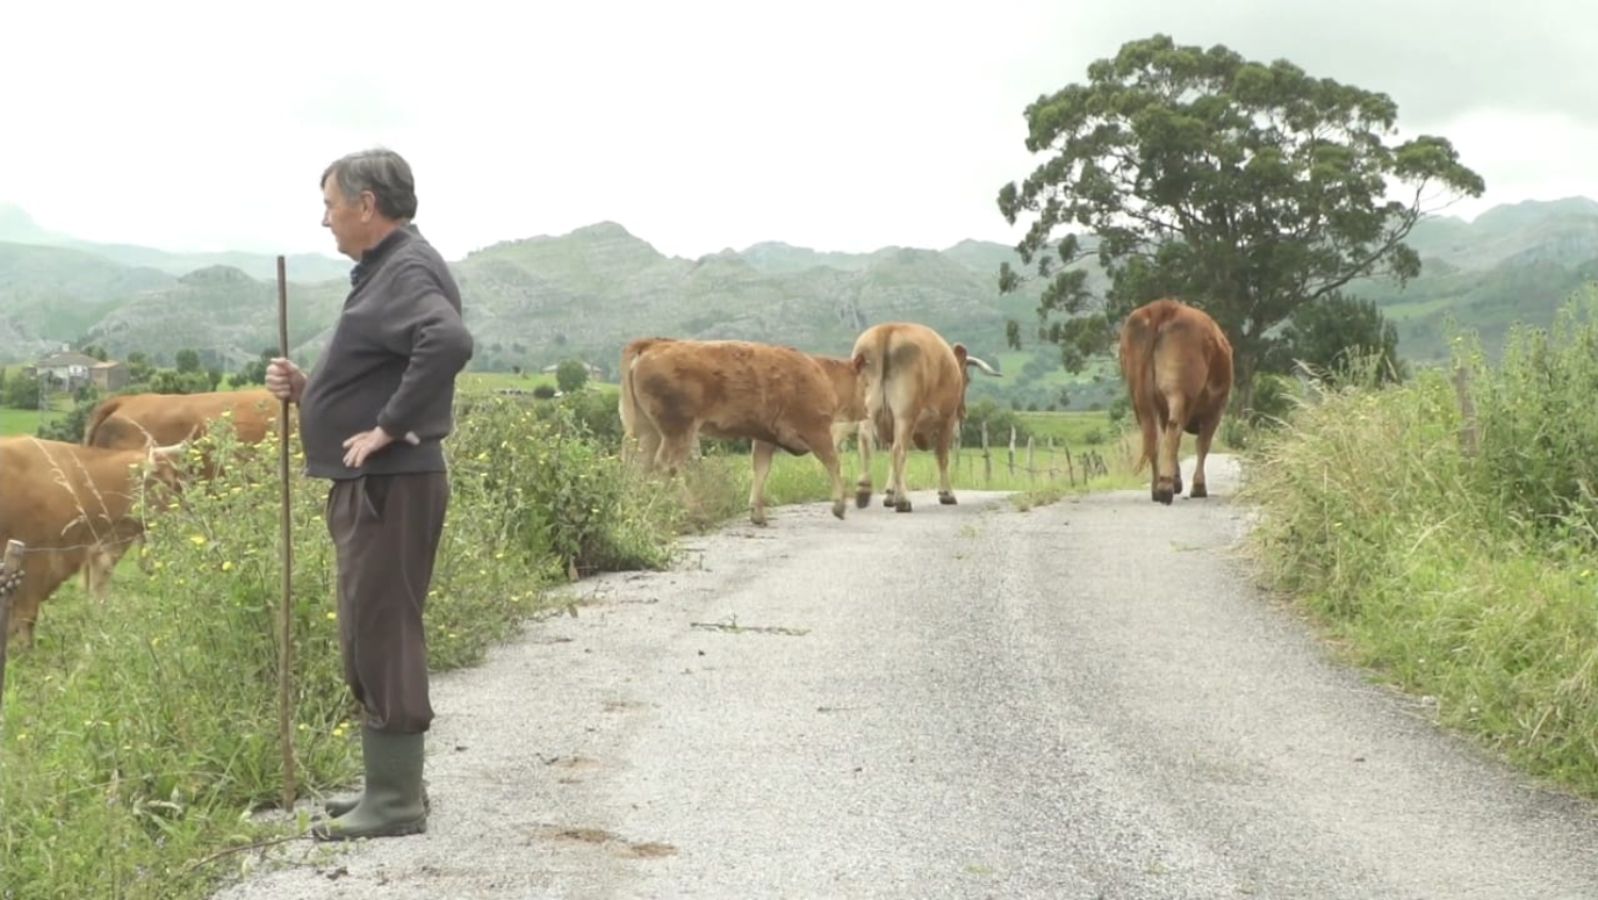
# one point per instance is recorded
(535, 301)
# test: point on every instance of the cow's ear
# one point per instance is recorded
(960, 354)
(858, 363)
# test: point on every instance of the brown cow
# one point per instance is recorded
(136, 420)
(130, 421)
(1178, 369)
(914, 384)
(674, 390)
(62, 500)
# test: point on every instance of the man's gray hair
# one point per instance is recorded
(383, 172)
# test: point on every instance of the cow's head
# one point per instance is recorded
(163, 466)
(966, 361)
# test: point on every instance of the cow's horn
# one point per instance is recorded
(973, 361)
(170, 449)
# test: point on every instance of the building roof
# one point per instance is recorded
(65, 359)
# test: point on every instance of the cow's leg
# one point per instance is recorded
(903, 431)
(1170, 447)
(646, 446)
(25, 608)
(821, 444)
(945, 488)
(862, 490)
(97, 566)
(1151, 453)
(1205, 435)
(757, 489)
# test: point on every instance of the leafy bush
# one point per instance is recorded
(134, 743)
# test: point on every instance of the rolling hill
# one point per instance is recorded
(535, 301)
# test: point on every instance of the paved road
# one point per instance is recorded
(1085, 700)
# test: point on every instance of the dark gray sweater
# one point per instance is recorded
(392, 362)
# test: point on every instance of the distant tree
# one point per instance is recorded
(139, 368)
(1327, 333)
(544, 391)
(22, 391)
(1249, 189)
(254, 371)
(214, 376)
(171, 381)
(188, 361)
(95, 351)
(571, 375)
(69, 427)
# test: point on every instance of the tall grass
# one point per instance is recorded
(1465, 576)
(139, 735)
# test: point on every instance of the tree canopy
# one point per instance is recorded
(571, 375)
(1248, 189)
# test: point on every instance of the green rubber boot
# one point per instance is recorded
(338, 806)
(392, 803)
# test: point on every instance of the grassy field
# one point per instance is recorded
(26, 421)
(18, 421)
(1461, 570)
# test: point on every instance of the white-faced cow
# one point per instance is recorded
(132, 421)
(62, 500)
(1178, 369)
(914, 384)
(672, 391)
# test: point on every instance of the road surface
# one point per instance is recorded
(1087, 700)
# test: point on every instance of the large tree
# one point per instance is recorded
(1247, 189)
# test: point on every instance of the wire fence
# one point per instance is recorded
(1046, 461)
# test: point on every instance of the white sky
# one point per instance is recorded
(697, 125)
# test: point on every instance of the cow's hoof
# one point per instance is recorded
(903, 505)
(758, 520)
(887, 499)
(1198, 491)
(947, 498)
(1163, 495)
(862, 499)
(838, 508)
(1176, 488)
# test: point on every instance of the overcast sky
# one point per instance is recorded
(697, 125)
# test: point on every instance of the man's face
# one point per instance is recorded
(349, 218)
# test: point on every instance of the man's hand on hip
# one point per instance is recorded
(360, 446)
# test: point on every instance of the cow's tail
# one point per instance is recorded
(627, 403)
(104, 411)
(1138, 336)
(873, 367)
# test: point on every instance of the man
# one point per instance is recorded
(372, 418)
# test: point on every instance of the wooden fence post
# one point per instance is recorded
(1070, 467)
(1031, 461)
(987, 457)
(1012, 452)
(10, 577)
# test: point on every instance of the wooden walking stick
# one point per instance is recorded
(10, 577)
(285, 718)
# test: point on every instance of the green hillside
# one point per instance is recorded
(536, 301)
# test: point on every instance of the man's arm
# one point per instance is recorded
(430, 331)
